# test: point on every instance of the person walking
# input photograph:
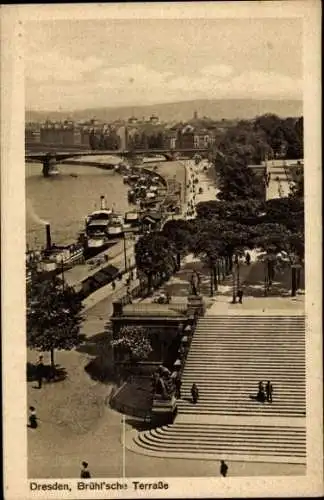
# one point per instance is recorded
(40, 371)
(240, 295)
(223, 468)
(113, 285)
(248, 258)
(85, 473)
(194, 393)
(178, 384)
(261, 396)
(32, 418)
(269, 391)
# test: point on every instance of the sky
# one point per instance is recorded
(72, 64)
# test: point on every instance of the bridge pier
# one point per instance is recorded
(49, 163)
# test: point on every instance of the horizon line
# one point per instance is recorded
(162, 103)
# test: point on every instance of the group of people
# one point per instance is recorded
(265, 392)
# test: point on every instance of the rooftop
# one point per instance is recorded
(155, 310)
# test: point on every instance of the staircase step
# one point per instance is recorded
(228, 356)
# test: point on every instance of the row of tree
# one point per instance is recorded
(267, 136)
(240, 219)
(221, 232)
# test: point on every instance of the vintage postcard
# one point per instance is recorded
(161, 222)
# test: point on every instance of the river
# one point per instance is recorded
(66, 199)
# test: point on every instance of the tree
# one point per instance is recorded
(236, 180)
(155, 256)
(274, 239)
(219, 241)
(53, 316)
(209, 247)
(134, 342)
(297, 185)
(242, 211)
(286, 211)
(180, 233)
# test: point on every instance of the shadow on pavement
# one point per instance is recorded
(138, 424)
(95, 344)
(49, 375)
(100, 368)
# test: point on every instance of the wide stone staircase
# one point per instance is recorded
(228, 357)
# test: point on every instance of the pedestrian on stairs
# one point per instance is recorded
(223, 468)
(240, 295)
(261, 396)
(178, 384)
(269, 391)
(194, 393)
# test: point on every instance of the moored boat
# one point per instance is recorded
(101, 227)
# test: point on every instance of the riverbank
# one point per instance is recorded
(167, 170)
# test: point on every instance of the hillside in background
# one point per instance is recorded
(177, 111)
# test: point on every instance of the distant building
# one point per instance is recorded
(190, 137)
(154, 119)
(122, 133)
(132, 120)
(60, 133)
(32, 136)
(170, 139)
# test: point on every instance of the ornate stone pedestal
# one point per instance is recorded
(196, 305)
(163, 411)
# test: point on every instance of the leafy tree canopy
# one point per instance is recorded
(236, 180)
(243, 211)
(274, 238)
(288, 211)
(53, 315)
(179, 232)
(154, 253)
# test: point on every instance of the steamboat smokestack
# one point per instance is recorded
(103, 203)
(48, 237)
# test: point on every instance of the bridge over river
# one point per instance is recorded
(50, 156)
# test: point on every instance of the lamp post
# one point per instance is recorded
(62, 269)
(125, 254)
(236, 278)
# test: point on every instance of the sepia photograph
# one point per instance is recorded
(166, 257)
